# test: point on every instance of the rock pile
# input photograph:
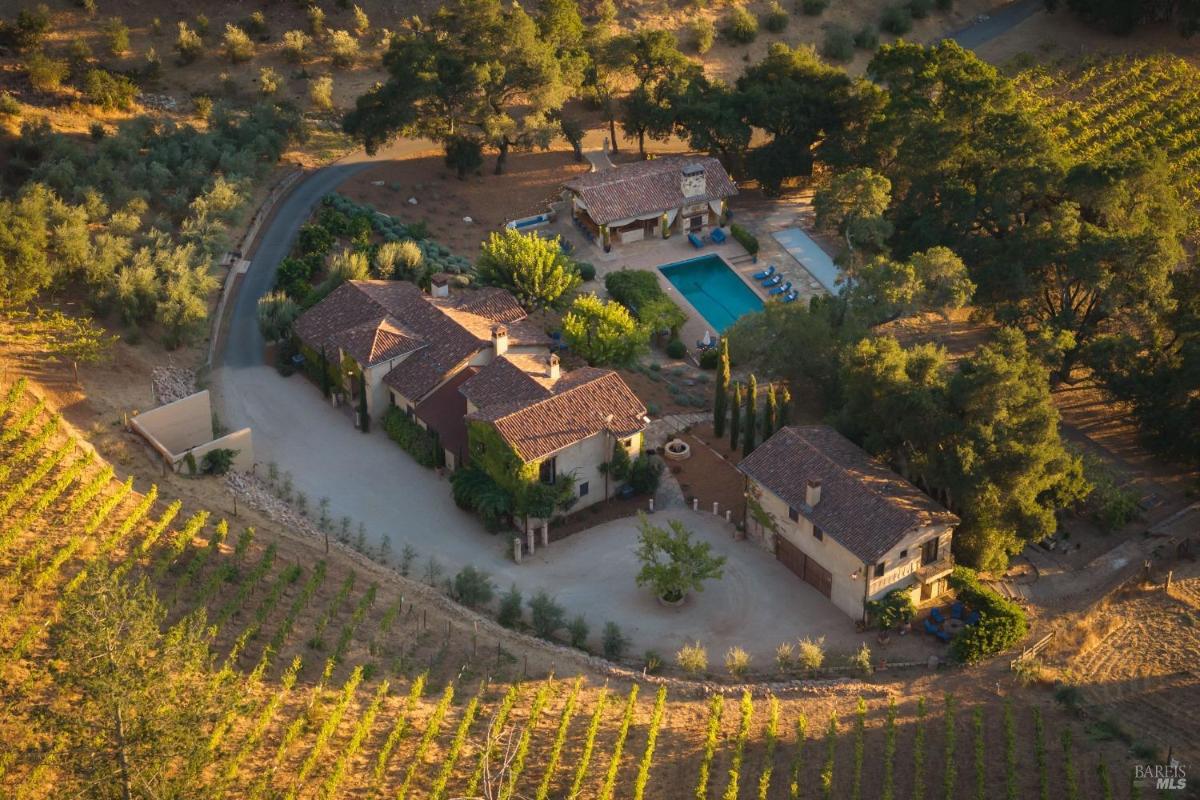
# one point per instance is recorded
(172, 383)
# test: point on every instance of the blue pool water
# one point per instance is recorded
(713, 289)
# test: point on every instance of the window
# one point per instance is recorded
(547, 471)
(879, 569)
(820, 534)
(904, 554)
(626, 443)
(583, 489)
(929, 551)
(793, 514)
(391, 399)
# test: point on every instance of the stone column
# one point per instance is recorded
(546, 533)
(716, 505)
(695, 504)
(532, 545)
(517, 549)
(651, 505)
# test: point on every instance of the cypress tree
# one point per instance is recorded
(362, 402)
(785, 407)
(721, 398)
(324, 373)
(735, 417)
(772, 414)
(748, 441)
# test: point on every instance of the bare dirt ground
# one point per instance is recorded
(530, 182)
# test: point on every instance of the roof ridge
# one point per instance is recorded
(794, 429)
(553, 394)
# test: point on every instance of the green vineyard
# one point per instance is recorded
(1124, 107)
(324, 682)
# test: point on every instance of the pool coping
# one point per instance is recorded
(757, 290)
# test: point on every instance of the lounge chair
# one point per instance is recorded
(696, 241)
(701, 345)
(937, 616)
(790, 297)
(718, 236)
(784, 289)
(956, 610)
(972, 618)
(766, 273)
(775, 281)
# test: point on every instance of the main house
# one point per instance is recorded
(632, 202)
(844, 522)
(471, 359)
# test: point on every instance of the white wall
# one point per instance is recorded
(176, 426)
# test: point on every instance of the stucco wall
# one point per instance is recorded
(179, 425)
(584, 459)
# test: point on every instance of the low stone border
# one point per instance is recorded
(254, 492)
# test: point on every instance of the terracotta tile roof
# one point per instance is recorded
(378, 320)
(583, 403)
(864, 506)
(511, 379)
(445, 410)
(632, 190)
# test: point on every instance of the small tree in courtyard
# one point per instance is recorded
(603, 331)
(532, 268)
(672, 563)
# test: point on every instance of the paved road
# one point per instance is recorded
(999, 21)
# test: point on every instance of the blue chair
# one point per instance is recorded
(695, 240)
(775, 281)
(718, 236)
(956, 610)
(936, 616)
(784, 289)
(790, 297)
(972, 618)
(766, 273)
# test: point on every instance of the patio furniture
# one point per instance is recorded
(695, 240)
(972, 618)
(772, 281)
(791, 296)
(708, 342)
(766, 273)
(784, 289)
(718, 236)
(936, 631)
(937, 616)
(953, 627)
(956, 610)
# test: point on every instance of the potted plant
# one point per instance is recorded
(893, 610)
(672, 563)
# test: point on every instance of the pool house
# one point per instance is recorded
(660, 197)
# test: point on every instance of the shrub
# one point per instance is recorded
(703, 34)
(238, 47)
(867, 38)
(116, 36)
(276, 313)
(203, 106)
(612, 641)
(776, 19)
(545, 615)
(320, 92)
(416, 441)
(891, 611)
(1002, 623)
(676, 348)
(201, 25)
(343, 48)
(362, 23)
(737, 661)
(587, 270)
(46, 74)
(30, 27)
(811, 653)
(464, 155)
(920, 8)
(473, 587)
(188, 44)
(897, 20)
(509, 613)
(838, 44)
(710, 359)
(692, 658)
(862, 660)
(745, 238)
(269, 81)
(644, 474)
(9, 107)
(741, 27)
(295, 46)
(577, 632)
(944, 5)
(316, 20)
(218, 461)
(255, 25)
(813, 8)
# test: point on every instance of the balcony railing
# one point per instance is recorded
(936, 569)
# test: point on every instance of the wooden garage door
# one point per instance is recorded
(805, 568)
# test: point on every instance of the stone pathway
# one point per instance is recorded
(599, 160)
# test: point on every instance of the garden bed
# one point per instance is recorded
(598, 514)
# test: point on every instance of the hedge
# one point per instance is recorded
(745, 238)
(416, 441)
(1002, 623)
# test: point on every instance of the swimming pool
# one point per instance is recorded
(713, 289)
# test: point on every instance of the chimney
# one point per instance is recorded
(500, 339)
(439, 285)
(555, 370)
(812, 493)
(691, 180)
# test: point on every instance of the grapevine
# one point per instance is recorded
(398, 729)
(1039, 754)
(643, 775)
(432, 727)
(951, 772)
(45, 500)
(518, 761)
(830, 753)
(361, 732)
(614, 764)
(588, 744)
(771, 735)
(261, 723)
(48, 462)
(795, 787)
(739, 748)
(710, 744)
(980, 756)
(889, 753)
(919, 752)
(325, 733)
(450, 760)
(560, 739)
(860, 724)
(1010, 752)
(498, 722)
